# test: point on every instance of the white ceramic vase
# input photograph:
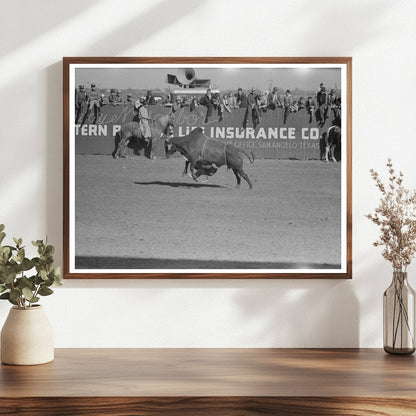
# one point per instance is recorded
(27, 337)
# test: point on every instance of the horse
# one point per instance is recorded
(158, 126)
(332, 139)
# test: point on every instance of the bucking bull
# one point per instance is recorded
(205, 155)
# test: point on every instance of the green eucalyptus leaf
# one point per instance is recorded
(26, 264)
(27, 293)
(2, 236)
(5, 295)
(24, 282)
(49, 250)
(5, 250)
(47, 260)
(37, 280)
(45, 291)
(21, 255)
(2, 288)
(2, 227)
(15, 294)
(9, 277)
(43, 274)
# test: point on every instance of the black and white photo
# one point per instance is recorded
(207, 167)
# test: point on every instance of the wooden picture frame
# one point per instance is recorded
(136, 217)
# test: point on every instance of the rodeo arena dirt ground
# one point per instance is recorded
(140, 213)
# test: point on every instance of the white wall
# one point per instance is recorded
(35, 35)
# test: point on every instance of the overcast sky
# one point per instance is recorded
(224, 79)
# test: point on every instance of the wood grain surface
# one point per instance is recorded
(212, 381)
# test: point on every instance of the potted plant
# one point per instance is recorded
(396, 217)
(27, 336)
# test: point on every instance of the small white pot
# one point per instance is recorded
(27, 337)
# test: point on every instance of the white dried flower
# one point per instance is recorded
(396, 217)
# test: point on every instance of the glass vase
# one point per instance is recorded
(399, 316)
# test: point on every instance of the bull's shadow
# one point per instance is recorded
(180, 184)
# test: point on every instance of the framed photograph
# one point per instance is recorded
(207, 167)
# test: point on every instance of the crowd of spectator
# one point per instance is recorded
(254, 102)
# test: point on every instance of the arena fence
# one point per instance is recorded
(298, 138)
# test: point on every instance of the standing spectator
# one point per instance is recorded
(310, 108)
(262, 101)
(322, 102)
(252, 109)
(119, 98)
(94, 103)
(206, 101)
(337, 112)
(221, 103)
(216, 105)
(193, 105)
(287, 104)
(226, 102)
(150, 98)
(273, 99)
(301, 103)
(81, 99)
(232, 101)
(241, 99)
(177, 104)
(331, 102)
(129, 99)
(112, 97)
(294, 107)
(331, 98)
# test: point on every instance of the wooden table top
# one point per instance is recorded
(214, 372)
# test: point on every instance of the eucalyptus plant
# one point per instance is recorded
(24, 280)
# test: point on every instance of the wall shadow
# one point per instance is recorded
(45, 15)
(143, 26)
(301, 313)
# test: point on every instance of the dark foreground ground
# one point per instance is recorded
(139, 214)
